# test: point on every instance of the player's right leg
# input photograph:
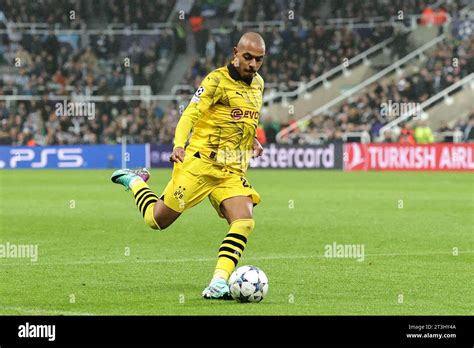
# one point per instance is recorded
(155, 213)
(164, 215)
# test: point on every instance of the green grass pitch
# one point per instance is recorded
(416, 229)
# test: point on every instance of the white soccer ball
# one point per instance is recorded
(248, 284)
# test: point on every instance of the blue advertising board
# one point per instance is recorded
(328, 156)
(160, 156)
(73, 156)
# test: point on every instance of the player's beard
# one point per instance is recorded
(250, 73)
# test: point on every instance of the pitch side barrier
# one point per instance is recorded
(339, 156)
(275, 156)
(398, 157)
(73, 156)
(354, 157)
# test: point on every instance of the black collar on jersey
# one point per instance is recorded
(236, 76)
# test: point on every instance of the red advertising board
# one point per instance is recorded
(439, 157)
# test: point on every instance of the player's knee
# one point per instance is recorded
(164, 216)
(161, 222)
(151, 222)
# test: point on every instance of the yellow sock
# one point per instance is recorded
(232, 247)
(145, 200)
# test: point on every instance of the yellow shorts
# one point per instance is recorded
(193, 180)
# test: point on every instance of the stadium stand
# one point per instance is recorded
(91, 63)
(365, 113)
(57, 14)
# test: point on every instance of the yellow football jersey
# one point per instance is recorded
(223, 115)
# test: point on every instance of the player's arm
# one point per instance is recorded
(206, 95)
(256, 146)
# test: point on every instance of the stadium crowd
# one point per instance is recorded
(362, 9)
(294, 55)
(71, 14)
(358, 11)
(366, 112)
(45, 64)
(94, 65)
(38, 123)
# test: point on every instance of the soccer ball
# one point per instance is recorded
(248, 284)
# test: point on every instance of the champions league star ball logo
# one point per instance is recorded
(248, 284)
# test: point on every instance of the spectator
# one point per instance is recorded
(211, 48)
(387, 137)
(261, 137)
(400, 42)
(427, 16)
(199, 31)
(441, 17)
(468, 134)
(444, 130)
(271, 128)
(180, 34)
(407, 135)
(423, 133)
(31, 141)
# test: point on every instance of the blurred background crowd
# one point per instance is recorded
(95, 61)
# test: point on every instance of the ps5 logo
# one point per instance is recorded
(66, 158)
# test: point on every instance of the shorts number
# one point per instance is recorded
(244, 182)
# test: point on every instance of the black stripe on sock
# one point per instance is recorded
(147, 204)
(139, 198)
(238, 236)
(231, 258)
(233, 251)
(234, 243)
(148, 195)
(141, 190)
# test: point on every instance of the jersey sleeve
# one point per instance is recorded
(206, 95)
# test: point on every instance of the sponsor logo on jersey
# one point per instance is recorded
(238, 113)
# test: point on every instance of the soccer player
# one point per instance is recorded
(223, 116)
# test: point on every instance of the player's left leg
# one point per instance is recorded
(238, 213)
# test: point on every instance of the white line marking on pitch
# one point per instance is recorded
(257, 258)
(43, 311)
